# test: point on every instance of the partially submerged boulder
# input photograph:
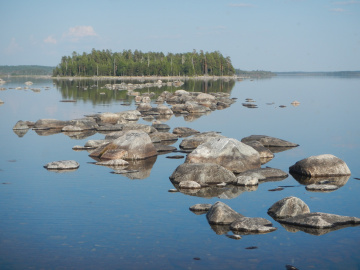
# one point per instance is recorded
(204, 174)
(197, 139)
(268, 141)
(184, 131)
(252, 225)
(266, 174)
(227, 152)
(62, 165)
(288, 207)
(320, 220)
(220, 213)
(322, 165)
(50, 124)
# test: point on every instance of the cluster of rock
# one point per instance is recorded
(214, 159)
(130, 86)
(250, 103)
(291, 212)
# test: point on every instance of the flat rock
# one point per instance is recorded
(268, 141)
(164, 148)
(50, 124)
(220, 213)
(189, 185)
(252, 225)
(200, 207)
(322, 165)
(288, 207)
(21, 125)
(114, 162)
(320, 220)
(163, 136)
(246, 180)
(321, 187)
(266, 174)
(204, 174)
(181, 131)
(197, 139)
(62, 165)
(227, 152)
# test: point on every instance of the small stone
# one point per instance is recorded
(200, 207)
(189, 185)
(62, 165)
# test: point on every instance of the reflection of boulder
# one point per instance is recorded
(322, 165)
(331, 180)
(139, 169)
(47, 132)
(20, 132)
(79, 135)
(220, 229)
(190, 117)
(227, 152)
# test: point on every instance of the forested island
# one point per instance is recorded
(137, 63)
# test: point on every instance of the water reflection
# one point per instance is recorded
(338, 181)
(94, 91)
(313, 231)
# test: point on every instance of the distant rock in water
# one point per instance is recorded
(220, 213)
(322, 165)
(62, 165)
(268, 141)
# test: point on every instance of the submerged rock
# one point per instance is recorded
(288, 207)
(268, 141)
(62, 165)
(229, 153)
(220, 213)
(322, 165)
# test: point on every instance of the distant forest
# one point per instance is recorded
(254, 73)
(137, 63)
(26, 70)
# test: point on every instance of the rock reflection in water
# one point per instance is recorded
(139, 169)
(194, 116)
(47, 132)
(330, 180)
(79, 135)
(313, 231)
(20, 132)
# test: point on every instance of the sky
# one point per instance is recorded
(272, 35)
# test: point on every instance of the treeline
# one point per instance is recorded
(254, 73)
(26, 70)
(137, 63)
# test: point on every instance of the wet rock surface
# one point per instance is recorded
(62, 165)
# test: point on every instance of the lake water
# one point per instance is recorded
(93, 219)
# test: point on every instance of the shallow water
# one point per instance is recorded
(93, 219)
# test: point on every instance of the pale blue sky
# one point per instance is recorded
(275, 35)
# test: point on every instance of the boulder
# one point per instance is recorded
(136, 143)
(144, 107)
(204, 174)
(268, 141)
(163, 109)
(163, 136)
(21, 125)
(184, 131)
(322, 165)
(50, 124)
(108, 117)
(263, 151)
(197, 139)
(252, 225)
(320, 220)
(227, 152)
(201, 207)
(132, 115)
(288, 207)
(135, 126)
(194, 107)
(84, 123)
(247, 180)
(220, 213)
(62, 165)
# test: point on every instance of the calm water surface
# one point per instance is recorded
(93, 219)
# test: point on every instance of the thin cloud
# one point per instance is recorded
(337, 10)
(241, 5)
(81, 31)
(50, 40)
(13, 47)
(351, 2)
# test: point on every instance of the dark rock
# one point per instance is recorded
(201, 207)
(175, 157)
(161, 148)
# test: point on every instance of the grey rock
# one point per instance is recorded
(201, 207)
(62, 165)
(227, 152)
(181, 131)
(42, 124)
(161, 148)
(132, 115)
(197, 139)
(84, 123)
(320, 220)
(246, 180)
(321, 187)
(322, 165)
(252, 225)
(288, 207)
(268, 141)
(163, 136)
(204, 174)
(263, 151)
(220, 213)
(135, 126)
(21, 125)
(189, 185)
(266, 174)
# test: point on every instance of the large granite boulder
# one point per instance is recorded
(220, 213)
(252, 225)
(136, 144)
(288, 207)
(268, 141)
(204, 174)
(322, 165)
(227, 152)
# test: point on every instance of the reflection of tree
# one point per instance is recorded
(94, 91)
